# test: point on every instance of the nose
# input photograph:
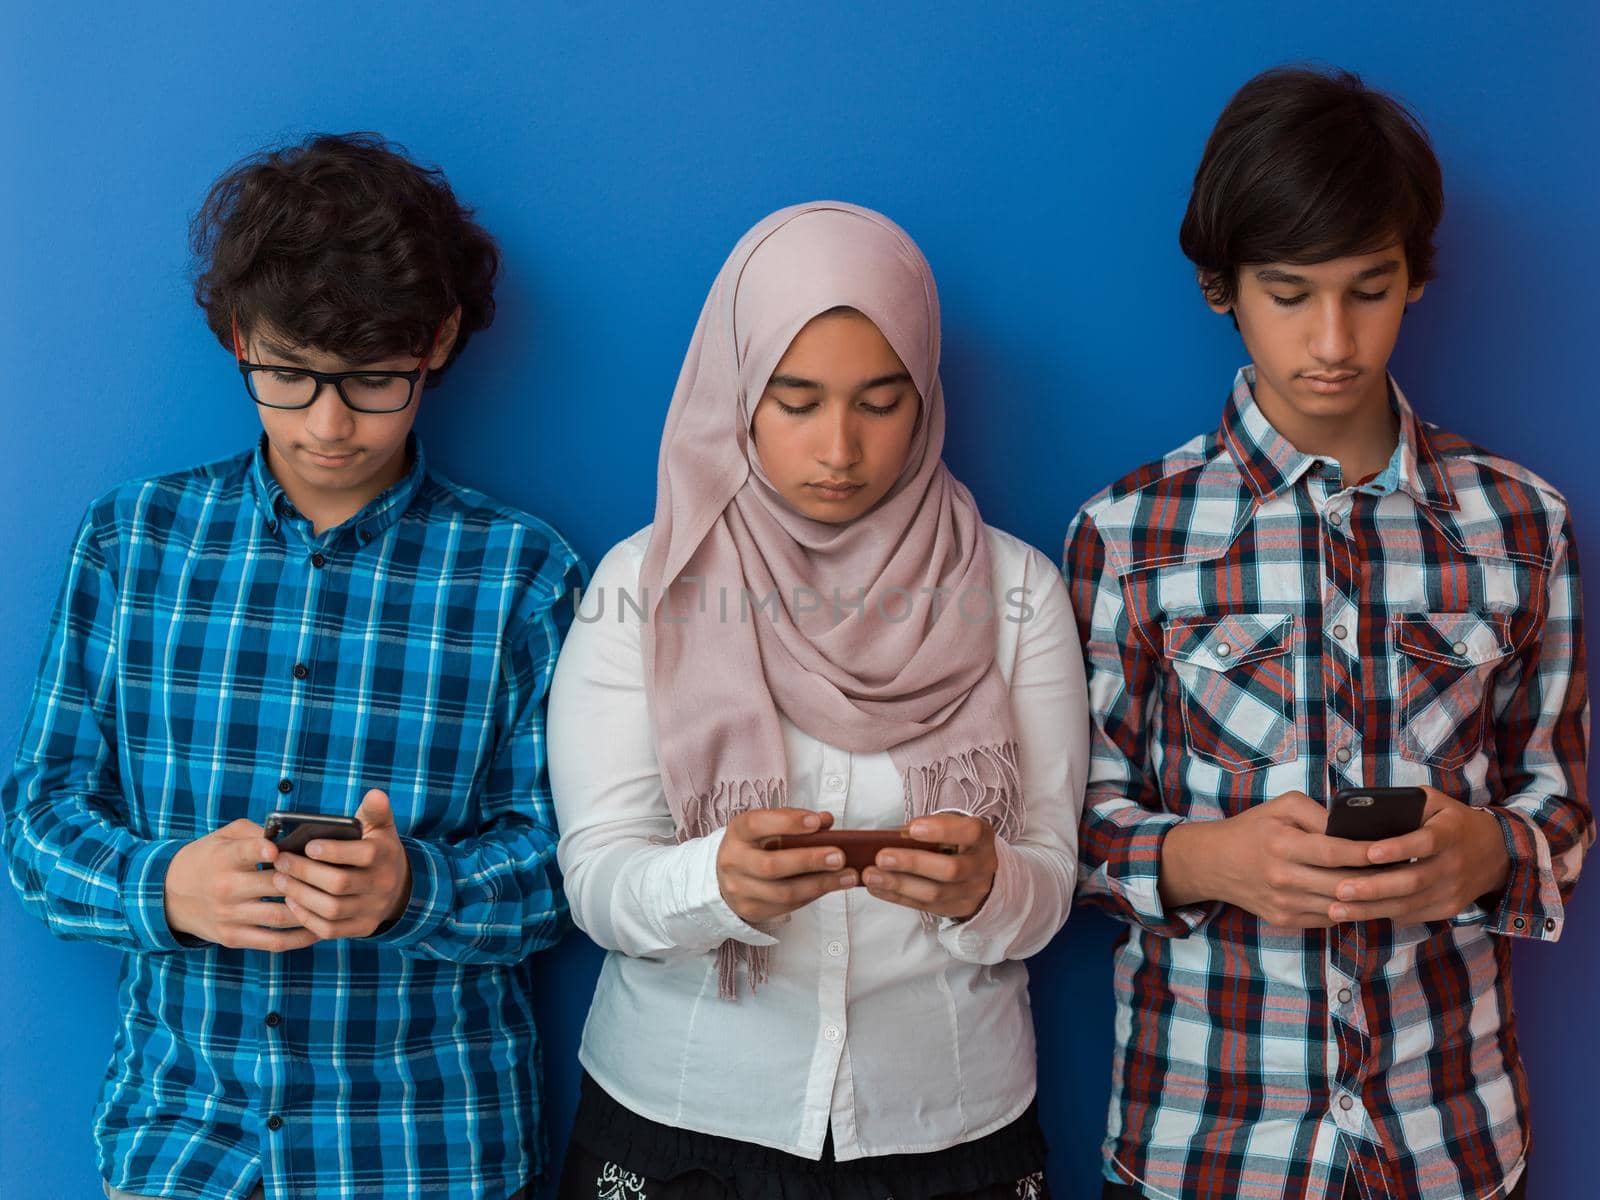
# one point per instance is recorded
(839, 447)
(1333, 340)
(328, 421)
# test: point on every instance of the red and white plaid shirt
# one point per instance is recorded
(1254, 625)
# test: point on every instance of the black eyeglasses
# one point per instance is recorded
(273, 386)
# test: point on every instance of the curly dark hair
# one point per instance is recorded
(1305, 165)
(342, 243)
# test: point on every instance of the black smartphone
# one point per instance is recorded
(292, 830)
(1373, 814)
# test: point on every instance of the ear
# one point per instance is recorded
(1211, 288)
(1414, 294)
(447, 339)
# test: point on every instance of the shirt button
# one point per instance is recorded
(1346, 1103)
(301, 670)
(272, 1020)
(1459, 648)
(366, 536)
(1519, 923)
(1335, 519)
(1345, 995)
(286, 786)
(1340, 632)
(1223, 650)
(836, 948)
(274, 1122)
(318, 561)
(1343, 754)
(835, 783)
(1549, 924)
(831, 1033)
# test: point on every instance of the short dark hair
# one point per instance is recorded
(342, 243)
(1305, 165)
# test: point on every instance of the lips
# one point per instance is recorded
(835, 489)
(1333, 382)
(330, 460)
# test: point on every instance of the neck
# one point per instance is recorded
(1362, 440)
(328, 507)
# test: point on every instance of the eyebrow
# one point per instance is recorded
(795, 381)
(281, 351)
(1273, 275)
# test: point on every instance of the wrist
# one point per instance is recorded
(1186, 851)
(172, 896)
(1495, 857)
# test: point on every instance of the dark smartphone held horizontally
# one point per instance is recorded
(1376, 814)
(860, 846)
(293, 831)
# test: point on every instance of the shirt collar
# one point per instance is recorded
(1270, 463)
(382, 511)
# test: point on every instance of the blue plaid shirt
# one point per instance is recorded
(212, 658)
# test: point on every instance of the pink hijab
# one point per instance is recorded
(902, 665)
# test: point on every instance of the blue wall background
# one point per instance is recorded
(1041, 156)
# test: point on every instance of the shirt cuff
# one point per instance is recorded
(698, 900)
(1530, 905)
(433, 894)
(987, 934)
(1138, 884)
(144, 897)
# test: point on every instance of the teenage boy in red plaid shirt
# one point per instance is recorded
(1325, 592)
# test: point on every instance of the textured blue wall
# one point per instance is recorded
(1041, 157)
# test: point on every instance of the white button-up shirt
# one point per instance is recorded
(901, 1038)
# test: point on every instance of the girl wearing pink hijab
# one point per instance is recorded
(817, 633)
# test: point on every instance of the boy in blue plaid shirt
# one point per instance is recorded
(320, 624)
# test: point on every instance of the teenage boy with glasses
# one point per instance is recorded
(320, 624)
(1324, 593)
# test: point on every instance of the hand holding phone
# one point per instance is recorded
(941, 882)
(214, 892)
(1456, 858)
(341, 886)
(760, 884)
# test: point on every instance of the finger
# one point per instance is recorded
(1299, 912)
(909, 887)
(303, 897)
(241, 828)
(1436, 802)
(758, 823)
(243, 885)
(248, 937)
(326, 928)
(1301, 811)
(950, 829)
(787, 894)
(1423, 843)
(336, 881)
(942, 868)
(375, 812)
(1331, 853)
(1308, 887)
(361, 853)
(1396, 883)
(246, 852)
(1403, 912)
(785, 864)
(262, 912)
